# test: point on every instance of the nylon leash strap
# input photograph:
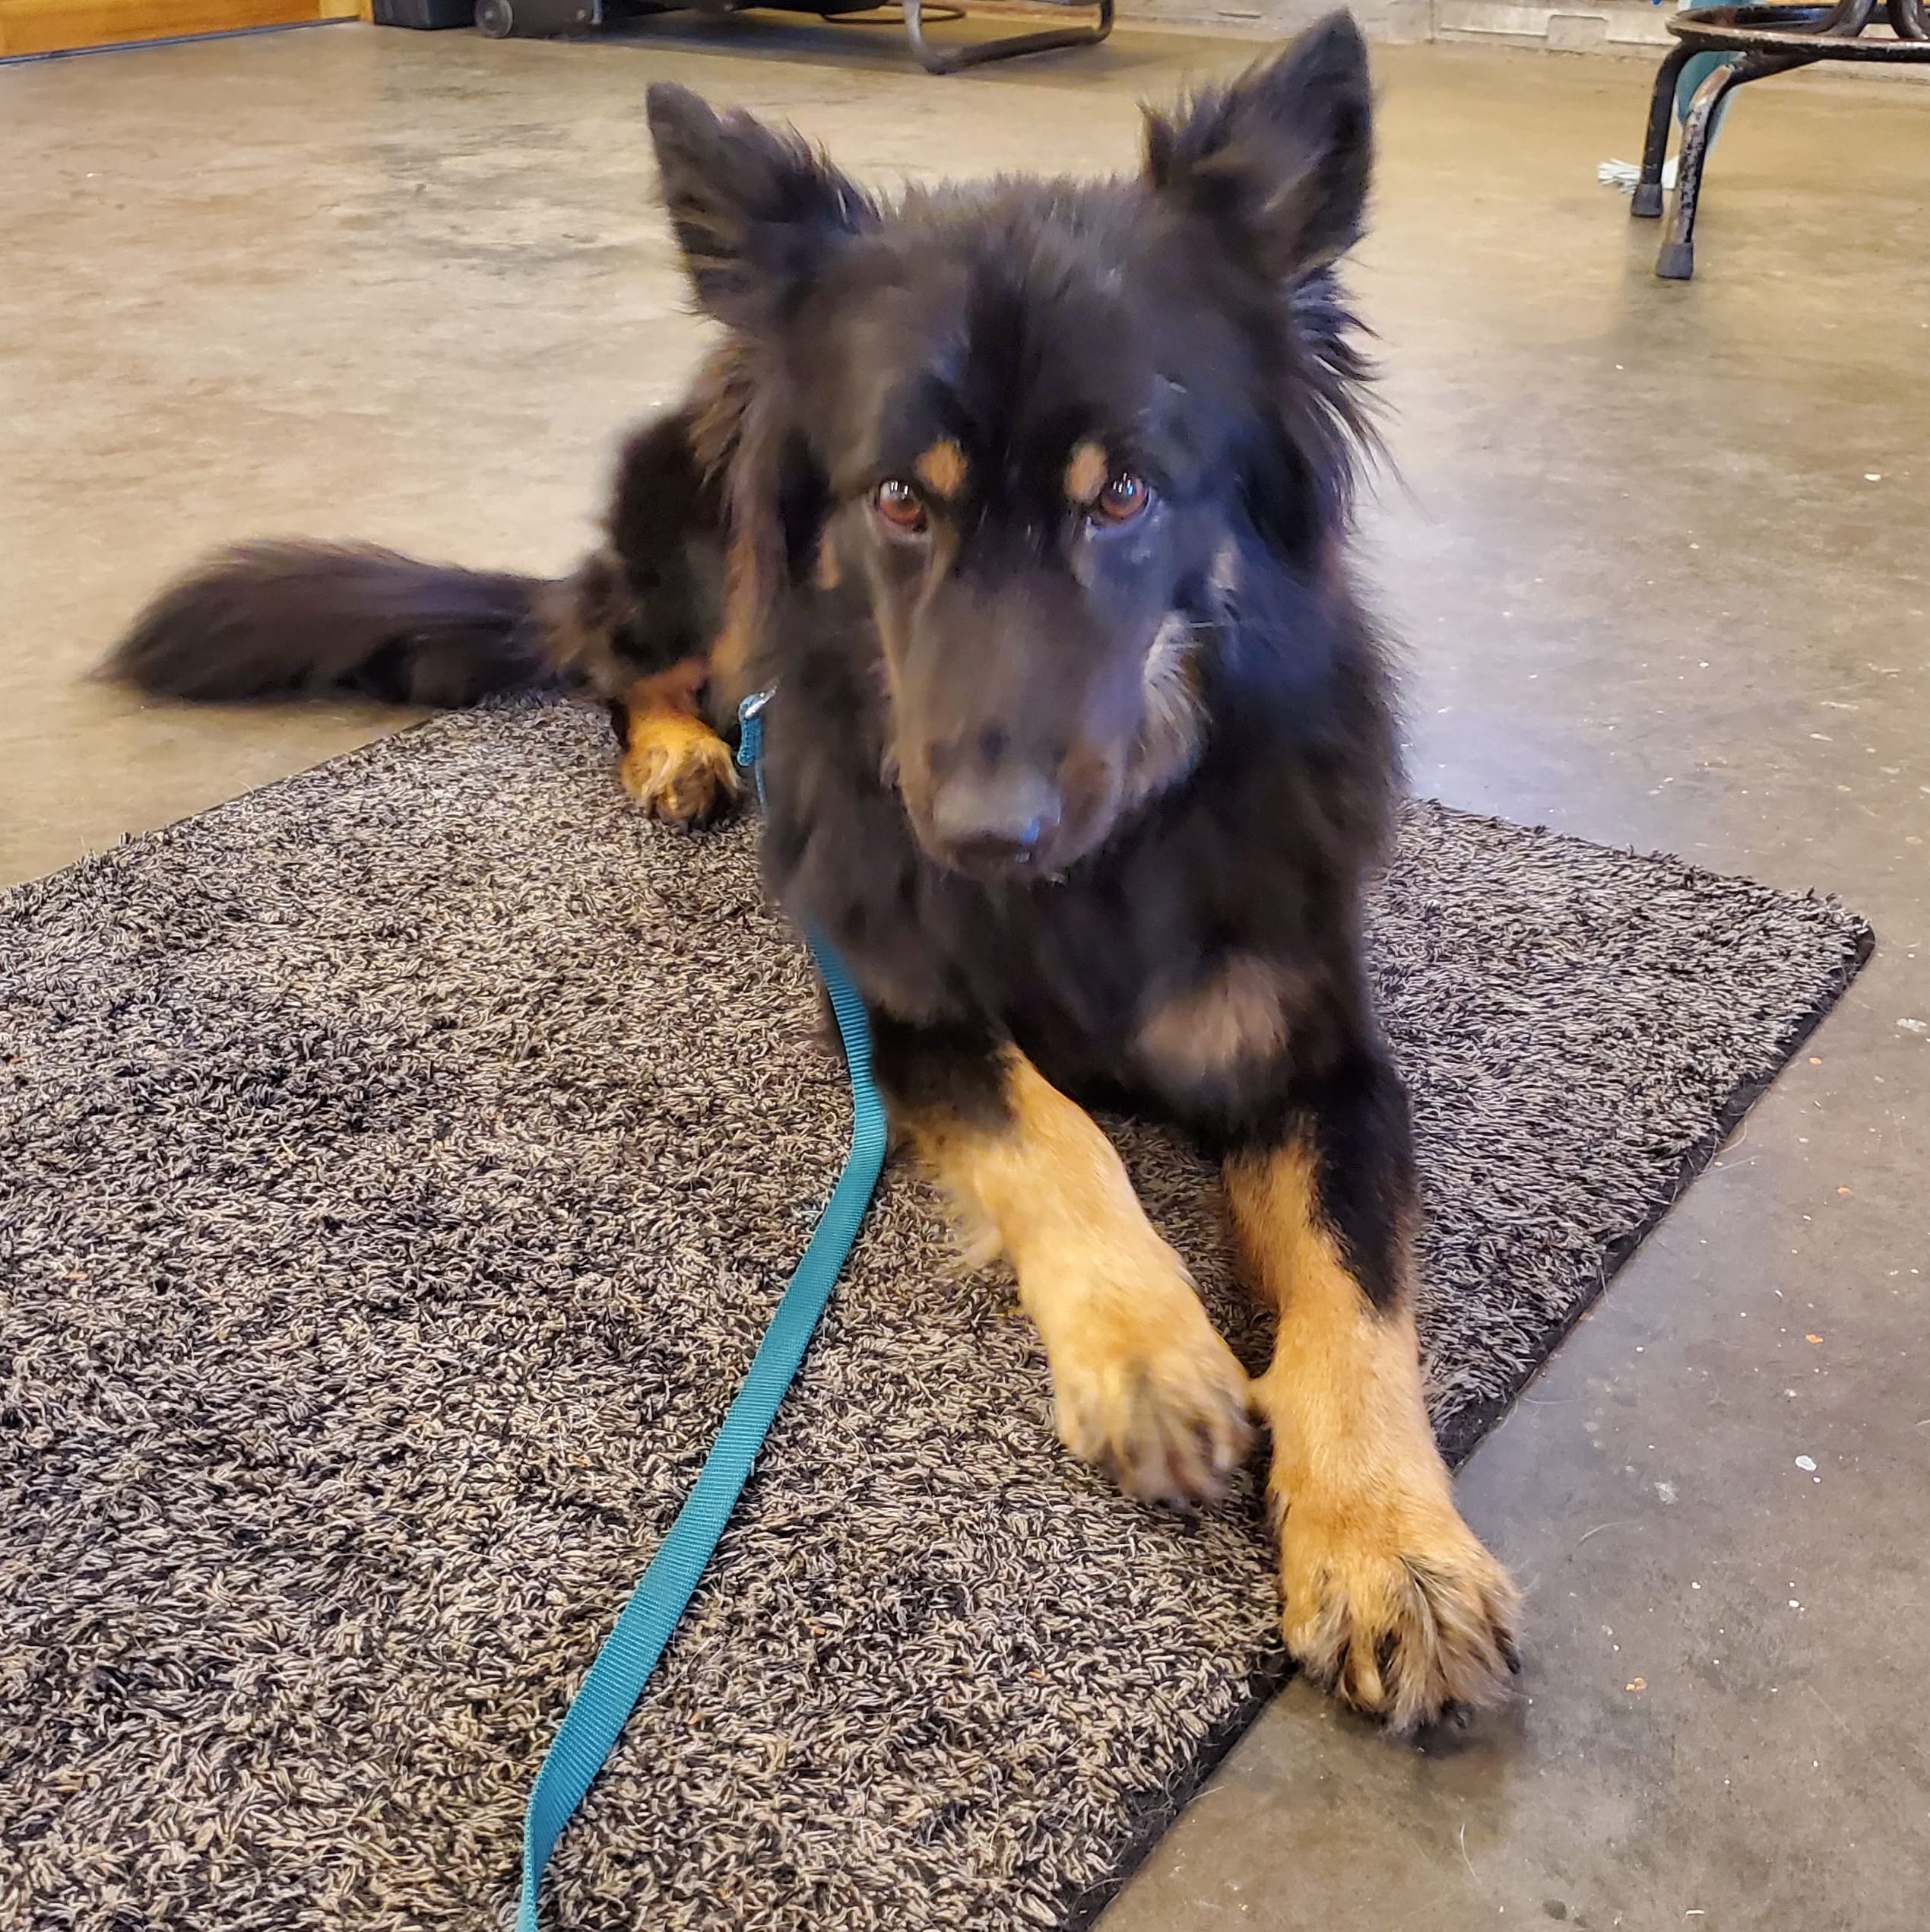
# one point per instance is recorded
(608, 1693)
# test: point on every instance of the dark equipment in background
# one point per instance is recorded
(538, 19)
(422, 13)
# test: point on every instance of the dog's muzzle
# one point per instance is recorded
(996, 822)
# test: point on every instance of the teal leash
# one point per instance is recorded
(601, 1707)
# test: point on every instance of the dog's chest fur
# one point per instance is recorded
(1172, 966)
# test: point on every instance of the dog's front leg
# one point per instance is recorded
(1387, 1595)
(1142, 1384)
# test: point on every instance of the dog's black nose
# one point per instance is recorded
(994, 822)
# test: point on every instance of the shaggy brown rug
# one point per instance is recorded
(397, 1168)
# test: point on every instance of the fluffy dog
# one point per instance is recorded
(1030, 503)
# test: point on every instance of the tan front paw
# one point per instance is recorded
(1142, 1384)
(1392, 1603)
(680, 771)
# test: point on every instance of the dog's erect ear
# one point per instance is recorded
(756, 210)
(1278, 161)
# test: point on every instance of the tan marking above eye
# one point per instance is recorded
(1086, 473)
(942, 468)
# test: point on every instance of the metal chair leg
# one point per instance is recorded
(952, 60)
(1676, 263)
(1647, 204)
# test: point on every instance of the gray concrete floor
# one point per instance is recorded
(1660, 554)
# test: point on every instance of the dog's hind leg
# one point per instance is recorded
(643, 623)
(1142, 1384)
(673, 764)
(1388, 1596)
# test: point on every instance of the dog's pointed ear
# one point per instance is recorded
(756, 211)
(1278, 162)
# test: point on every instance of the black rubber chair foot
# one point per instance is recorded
(1647, 204)
(1676, 263)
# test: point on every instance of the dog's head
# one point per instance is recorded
(1045, 426)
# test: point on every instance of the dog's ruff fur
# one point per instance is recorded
(1031, 502)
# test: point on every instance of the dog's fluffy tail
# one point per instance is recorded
(291, 619)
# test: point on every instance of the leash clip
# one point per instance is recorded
(750, 729)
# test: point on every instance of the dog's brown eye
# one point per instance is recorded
(1123, 497)
(900, 505)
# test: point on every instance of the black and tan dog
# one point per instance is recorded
(1030, 504)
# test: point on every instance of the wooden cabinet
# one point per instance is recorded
(50, 27)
